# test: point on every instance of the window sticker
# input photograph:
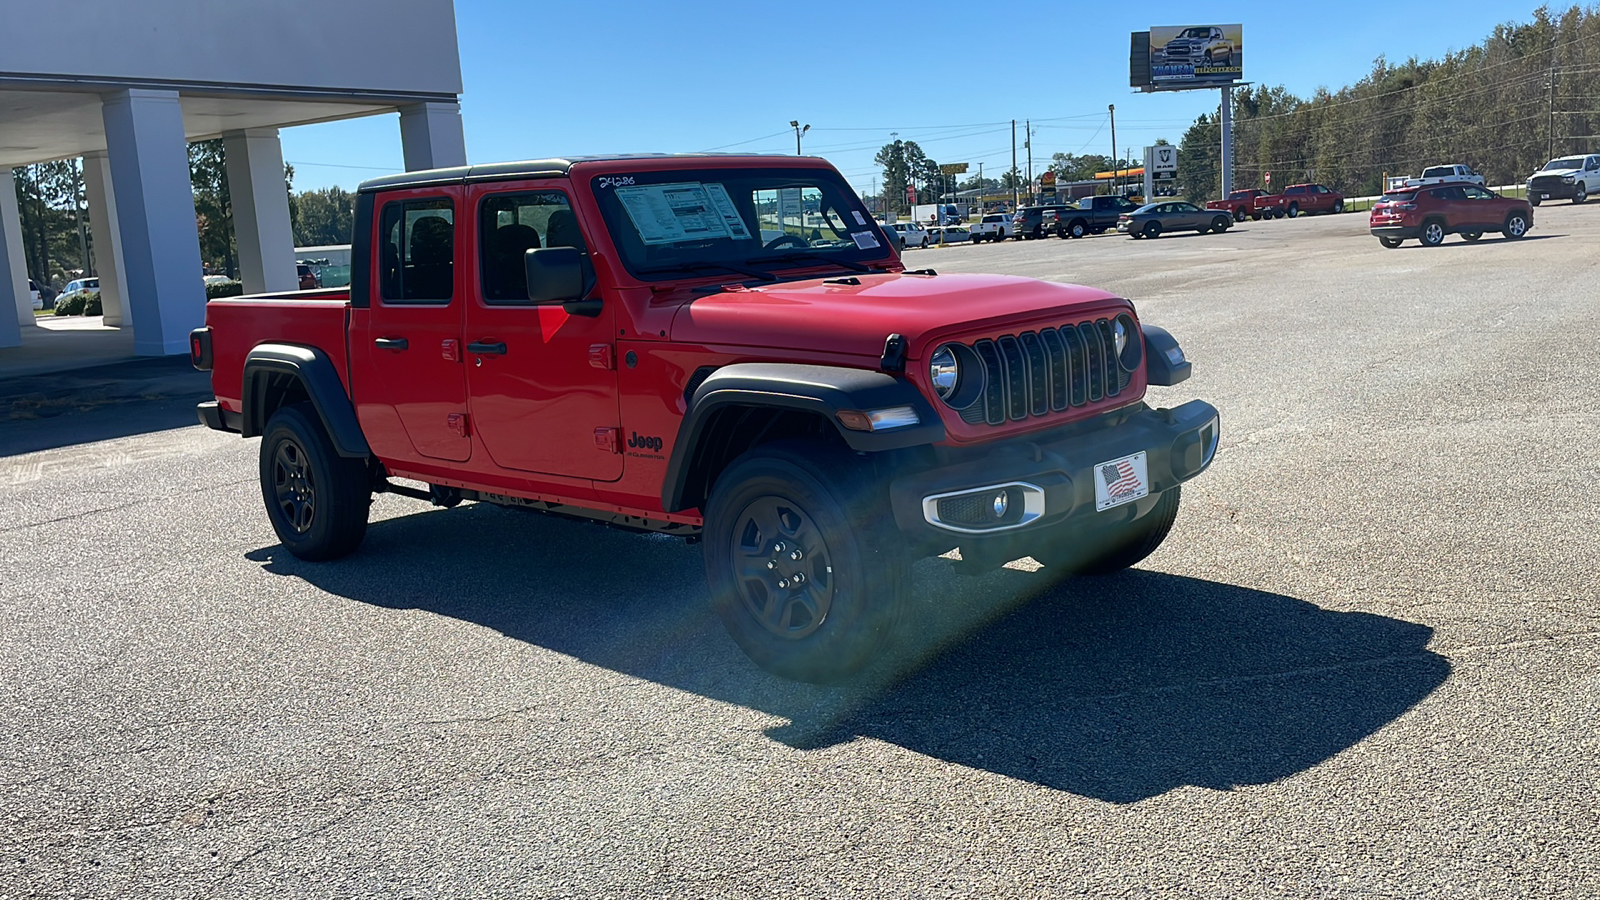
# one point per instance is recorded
(865, 240)
(688, 211)
(860, 219)
(730, 215)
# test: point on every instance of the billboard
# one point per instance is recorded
(1193, 56)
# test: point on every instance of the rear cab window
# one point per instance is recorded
(509, 225)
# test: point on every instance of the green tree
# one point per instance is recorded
(324, 217)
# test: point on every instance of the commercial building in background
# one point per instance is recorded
(142, 80)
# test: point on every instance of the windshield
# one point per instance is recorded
(676, 223)
(1575, 162)
(1197, 33)
(1400, 196)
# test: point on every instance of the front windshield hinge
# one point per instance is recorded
(894, 354)
(919, 272)
(848, 279)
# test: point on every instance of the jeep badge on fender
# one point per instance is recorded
(765, 416)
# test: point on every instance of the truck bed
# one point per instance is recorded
(315, 318)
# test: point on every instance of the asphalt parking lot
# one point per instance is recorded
(1366, 663)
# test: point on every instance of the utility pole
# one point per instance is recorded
(1027, 141)
(1013, 165)
(1115, 174)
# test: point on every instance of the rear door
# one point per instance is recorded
(409, 388)
(542, 382)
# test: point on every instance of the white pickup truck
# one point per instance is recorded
(994, 227)
(1438, 175)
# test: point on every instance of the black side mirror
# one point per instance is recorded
(555, 274)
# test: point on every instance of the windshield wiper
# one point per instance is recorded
(691, 266)
(812, 258)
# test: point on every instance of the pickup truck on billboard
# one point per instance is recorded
(1207, 54)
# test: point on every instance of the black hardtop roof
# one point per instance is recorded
(531, 168)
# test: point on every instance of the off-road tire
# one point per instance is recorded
(823, 503)
(1433, 233)
(1390, 242)
(1106, 554)
(316, 499)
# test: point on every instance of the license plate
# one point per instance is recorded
(1120, 481)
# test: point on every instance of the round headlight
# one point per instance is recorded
(944, 372)
(1130, 344)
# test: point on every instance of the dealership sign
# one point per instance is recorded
(1193, 56)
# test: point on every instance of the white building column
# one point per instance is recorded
(13, 267)
(260, 210)
(107, 239)
(431, 136)
(164, 293)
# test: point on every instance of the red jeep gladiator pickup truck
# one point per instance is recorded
(718, 347)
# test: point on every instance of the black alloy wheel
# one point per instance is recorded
(316, 500)
(1152, 229)
(1221, 224)
(804, 573)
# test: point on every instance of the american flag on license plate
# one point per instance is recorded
(1120, 478)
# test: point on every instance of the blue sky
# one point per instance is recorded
(607, 76)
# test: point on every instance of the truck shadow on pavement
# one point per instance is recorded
(1118, 688)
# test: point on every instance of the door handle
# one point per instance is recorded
(391, 343)
(487, 348)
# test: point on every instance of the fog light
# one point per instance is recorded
(1002, 502)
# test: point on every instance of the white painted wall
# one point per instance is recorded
(381, 45)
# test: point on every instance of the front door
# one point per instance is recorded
(541, 381)
(409, 388)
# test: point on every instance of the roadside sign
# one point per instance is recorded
(1269, 179)
(954, 168)
(1161, 158)
(911, 194)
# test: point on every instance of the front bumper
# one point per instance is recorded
(1056, 477)
(1556, 191)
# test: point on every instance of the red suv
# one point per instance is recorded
(1430, 213)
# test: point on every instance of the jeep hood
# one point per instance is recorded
(833, 316)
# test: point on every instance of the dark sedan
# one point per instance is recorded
(1154, 219)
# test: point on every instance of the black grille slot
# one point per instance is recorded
(1016, 378)
(1038, 374)
(1108, 340)
(994, 405)
(1056, 350)
(1077, 365)
(1094, 360)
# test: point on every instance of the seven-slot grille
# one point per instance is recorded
(1041, 372)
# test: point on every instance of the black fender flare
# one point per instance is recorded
(316, 373)
(823, 390)
(1165, 364)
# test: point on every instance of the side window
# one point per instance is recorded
(1477, 193)
(511, 224)
(417, 251)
